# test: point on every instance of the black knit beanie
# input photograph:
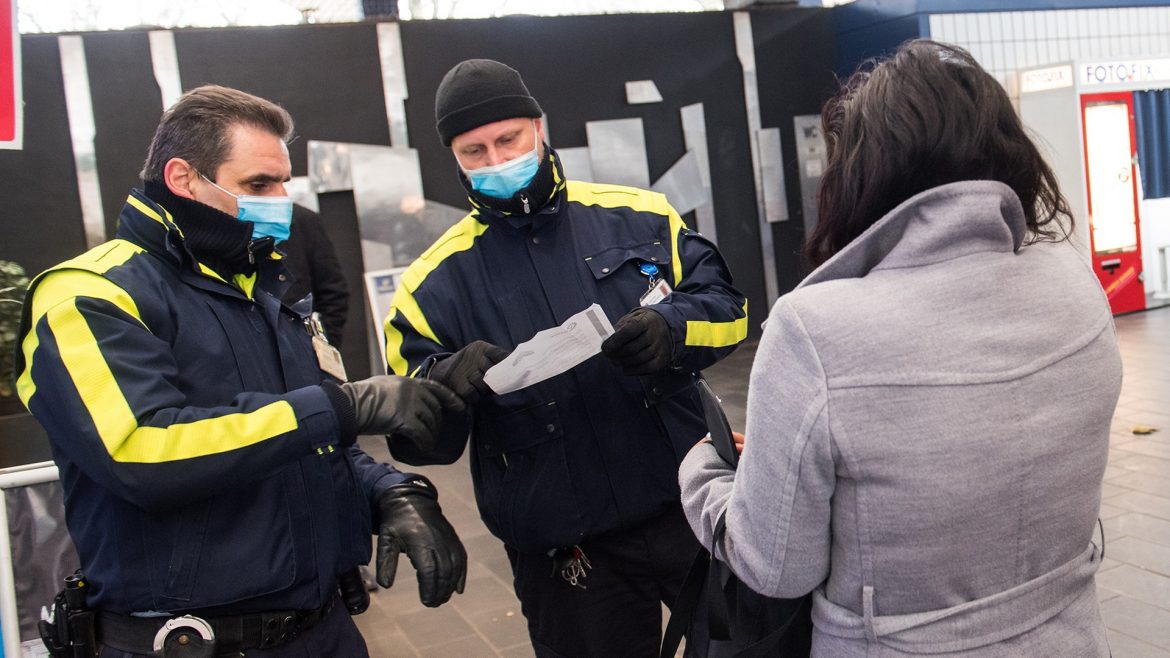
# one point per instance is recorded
(477, 92)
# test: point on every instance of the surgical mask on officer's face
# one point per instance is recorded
(271, 216)
(507, 178)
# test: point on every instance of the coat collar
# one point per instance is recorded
(936, 225)
(151, 226)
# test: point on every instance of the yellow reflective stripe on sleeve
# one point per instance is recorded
(394, 359)
(717, 334)
(404, 303)
(55, 288)
(676, 228)
(209, 436)
(91, 375)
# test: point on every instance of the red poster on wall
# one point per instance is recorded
(11, 105)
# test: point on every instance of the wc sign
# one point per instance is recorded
(1111, 73)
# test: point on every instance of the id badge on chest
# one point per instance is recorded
(328, 358)
(659, 288)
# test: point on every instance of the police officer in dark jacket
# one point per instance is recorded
(576, 474)
(204, 434)
(310, 258)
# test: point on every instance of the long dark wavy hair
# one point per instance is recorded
(927, 116)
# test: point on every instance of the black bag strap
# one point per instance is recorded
(770, 643)
(718, 612)
(684, 606)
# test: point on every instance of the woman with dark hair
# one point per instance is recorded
(928, 413)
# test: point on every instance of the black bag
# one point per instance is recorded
(720, 615)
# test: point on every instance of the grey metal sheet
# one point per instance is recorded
(164, 59)
(640, 92)
(694, 124)
(393, 81)
(301, 191)
(772, 175)
(745, 50)
(617, 152)
(395, 221)
(79, 106)
(683, 185)
(576, 163)
(329, 169)
(811, 158)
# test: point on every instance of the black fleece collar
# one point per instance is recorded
(539, 196)
(213, 237)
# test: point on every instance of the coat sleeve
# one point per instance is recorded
(706, 314)
(777, 536)
(412, 347)
(107, 391)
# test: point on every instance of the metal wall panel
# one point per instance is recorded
(82, 132)
(165, 61)
(746, 51)
(694, 126)
(393, 82)
(617, 152)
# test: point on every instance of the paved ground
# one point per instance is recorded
(1134, 582)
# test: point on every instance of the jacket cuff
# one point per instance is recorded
(346, 417)
(676, 324)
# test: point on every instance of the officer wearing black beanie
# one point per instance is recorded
(576, 474)
(478, 92)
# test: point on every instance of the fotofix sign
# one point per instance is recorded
(11, 105)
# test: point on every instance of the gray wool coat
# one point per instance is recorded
(927, 428)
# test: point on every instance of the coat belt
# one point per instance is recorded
(966, 626)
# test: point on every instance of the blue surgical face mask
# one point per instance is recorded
(271, 216)
(504, 180)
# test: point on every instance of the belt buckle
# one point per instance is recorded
(186, 621)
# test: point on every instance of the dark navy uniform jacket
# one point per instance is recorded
(196, 443)
(591, 450)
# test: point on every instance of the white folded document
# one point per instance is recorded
(551, 352)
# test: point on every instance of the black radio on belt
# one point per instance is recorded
(69, 630)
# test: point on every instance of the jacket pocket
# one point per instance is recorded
(236, 546)
(528, 485)
(624, 260)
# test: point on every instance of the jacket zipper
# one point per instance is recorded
(524, 200)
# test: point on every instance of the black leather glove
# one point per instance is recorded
(412, 521)
(413, 408)
(641, 343)
(463, 371)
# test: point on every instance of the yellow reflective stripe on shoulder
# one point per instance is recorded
(209, 436)
(459, 237)
(55, 288)
(616, 196)
(717, 334)
(638, 200)
(101, 258)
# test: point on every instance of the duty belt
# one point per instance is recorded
(233, 633)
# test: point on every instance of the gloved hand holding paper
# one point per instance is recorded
(551, 352)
